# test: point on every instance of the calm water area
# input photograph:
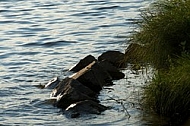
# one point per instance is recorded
(41, 39)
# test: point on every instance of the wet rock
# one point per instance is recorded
(82, 71)
(59, 88)
(114, 57)
(52, 83)
(95, 78)
(112, 70)
(72, 83)
(77, 94)
(83, 63)
(84, 107)
(70, 91)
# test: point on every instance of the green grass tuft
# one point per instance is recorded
(162, 40)
(164, 30)
(169, 92)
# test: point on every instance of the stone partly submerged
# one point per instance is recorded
(84, 107)
(111, 69)
(113, 57)
(72, 91)
(95, 78)
(83, 63)
(52, 83)
(77, 94)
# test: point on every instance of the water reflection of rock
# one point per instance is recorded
(78, 93)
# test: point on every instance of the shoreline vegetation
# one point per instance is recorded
(162, 41)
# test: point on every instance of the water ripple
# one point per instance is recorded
(40, 39)
(105, 8)
(49, 44)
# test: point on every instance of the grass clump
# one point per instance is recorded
(162, 40)
(165, 32)
(169, 92)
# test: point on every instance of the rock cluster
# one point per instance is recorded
(78, 93)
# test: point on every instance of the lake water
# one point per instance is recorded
(41, 39)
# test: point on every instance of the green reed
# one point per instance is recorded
(162, 40)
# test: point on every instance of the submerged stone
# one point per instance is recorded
(52, 83)
(116, 58)
(112, 70)
(77, 94)
(84, 107)
(95, 78)
(83, 63)
(70, 91)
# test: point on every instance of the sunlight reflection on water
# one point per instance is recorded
(43, 39)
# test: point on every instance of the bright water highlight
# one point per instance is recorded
(41, 39)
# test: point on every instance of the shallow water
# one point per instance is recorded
(43, 39)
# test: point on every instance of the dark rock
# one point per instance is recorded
(82, 71)
(83, 63)
(84, 107)
(59, 88)
(52, 83)
(77, 94)
(114, 57)
(112, 70)
(70, 91)
(71, 96)
(95, 78)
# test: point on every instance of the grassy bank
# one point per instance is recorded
(164, 29)
(162, 40)
(169, 92)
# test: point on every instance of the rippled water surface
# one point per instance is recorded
(40, 39)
